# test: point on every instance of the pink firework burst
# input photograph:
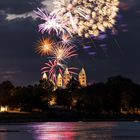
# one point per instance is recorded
(63, 51)
(53, 68)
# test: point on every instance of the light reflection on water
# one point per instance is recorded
(71, 131)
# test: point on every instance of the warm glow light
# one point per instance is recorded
(3, 108)
(52, 102)
(45, 46)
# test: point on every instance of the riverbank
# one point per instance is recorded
(61, 116)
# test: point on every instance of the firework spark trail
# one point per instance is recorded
(41, 14)
(66, 40)
(118, 45)
(63, 52)
(72, 69)
(52, 23)
(50, 68)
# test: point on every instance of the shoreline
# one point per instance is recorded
(7, 117)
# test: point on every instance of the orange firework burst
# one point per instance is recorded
(45, 46)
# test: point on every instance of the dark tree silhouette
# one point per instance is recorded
(111, 97)
(6, 88)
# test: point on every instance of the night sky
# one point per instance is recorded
(19, 35)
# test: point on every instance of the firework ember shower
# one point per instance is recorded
(81, 17)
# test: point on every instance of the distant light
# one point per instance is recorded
(4, 108)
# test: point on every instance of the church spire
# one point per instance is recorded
(83, 78)
(59, 80)
(44, 77)
(67, 77)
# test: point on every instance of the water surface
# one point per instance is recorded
(71, 131)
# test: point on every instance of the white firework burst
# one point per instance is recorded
(52, 23)
(87, 17)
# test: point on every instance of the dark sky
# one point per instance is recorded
(18, 37)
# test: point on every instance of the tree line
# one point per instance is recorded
(116, 94)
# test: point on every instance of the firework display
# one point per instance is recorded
(81, 17)
(58, 52)
(68, 20)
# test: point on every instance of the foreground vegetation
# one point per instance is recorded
(117, 96)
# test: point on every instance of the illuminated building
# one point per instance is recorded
(63, 80)
(59, 80)
(66, 77)
(44, 77)
(83, 78)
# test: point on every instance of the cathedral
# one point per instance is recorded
(63, 80)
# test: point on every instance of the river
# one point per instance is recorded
(71, 131)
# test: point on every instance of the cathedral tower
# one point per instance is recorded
(83, 78)
(44, 77)
(67, 77)
(59, 80)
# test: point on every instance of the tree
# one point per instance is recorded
(48, 86)
(118, 93)
(6, 88)
(63, 98)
